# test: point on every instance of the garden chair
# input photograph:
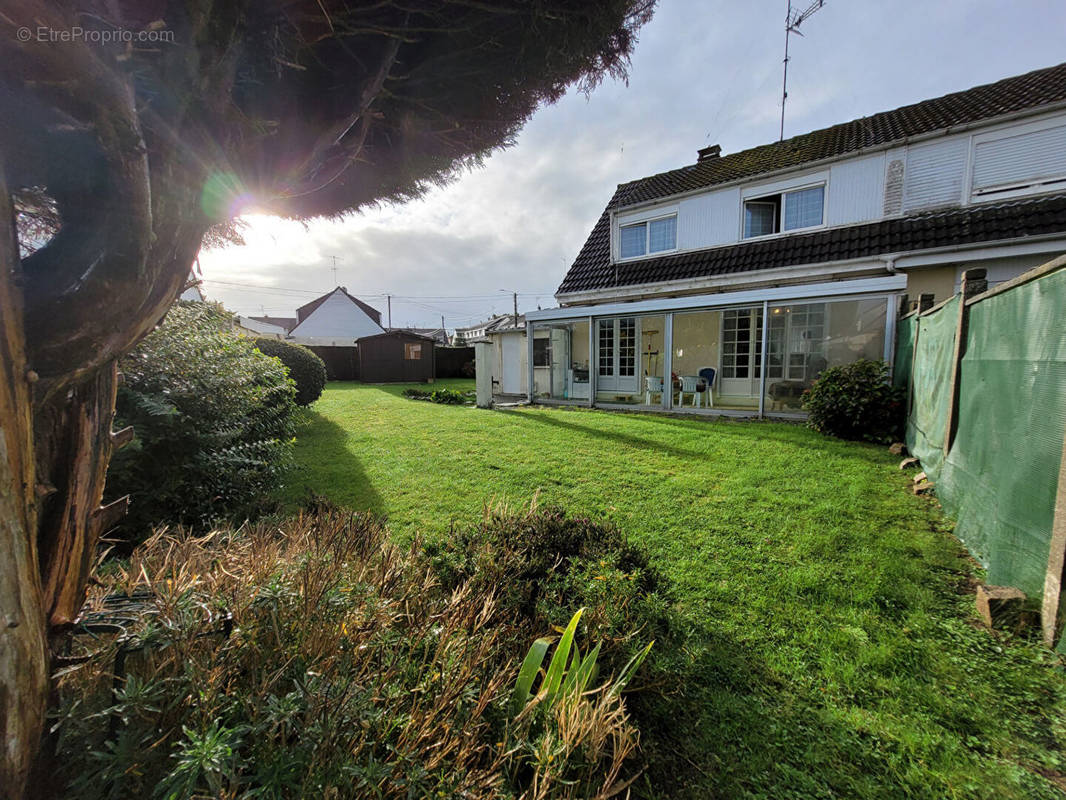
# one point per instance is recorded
(690, 384)
(653, 384)
(708, 374)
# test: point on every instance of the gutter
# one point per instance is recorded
(892, 263)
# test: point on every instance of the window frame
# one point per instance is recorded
(646, 222)
(412, 351)
(766, 194)
(1015, 189)
(545, 353)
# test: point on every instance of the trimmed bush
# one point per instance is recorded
(213, 420)
(856, 401)
(347, 671)
(307, 370)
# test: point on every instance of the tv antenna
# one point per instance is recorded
(793, 20)
(334, 268)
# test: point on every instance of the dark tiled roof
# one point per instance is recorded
(304, 311)
(439, 335)
(984, 223)
(1021, 92)
(288, 323)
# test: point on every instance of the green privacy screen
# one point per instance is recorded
(934, 349)
(901, 369)
(1000, 478)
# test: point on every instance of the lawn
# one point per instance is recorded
(840, 655)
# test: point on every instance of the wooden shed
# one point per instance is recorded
(396, 357)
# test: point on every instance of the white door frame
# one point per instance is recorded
(613, 381)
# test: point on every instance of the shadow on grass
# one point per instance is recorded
(655, 445)
(328, 468)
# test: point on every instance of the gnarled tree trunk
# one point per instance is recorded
(23, 653)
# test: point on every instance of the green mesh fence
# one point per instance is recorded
(930, 391)
(901, 368)
(1001, 476)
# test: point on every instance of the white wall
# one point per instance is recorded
(337, 320)
(936, 173)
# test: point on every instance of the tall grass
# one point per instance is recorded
(350, 671)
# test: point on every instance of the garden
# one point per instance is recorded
(754, 609)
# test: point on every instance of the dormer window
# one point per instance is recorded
(784, 211)
(652, 236)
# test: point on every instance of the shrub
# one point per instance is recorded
(213, 420)
(856, 401)
(469, 369)
(544, 566)
(349, 671)
(307, 370)
(450, 397)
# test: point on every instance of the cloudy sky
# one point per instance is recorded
(704, 72)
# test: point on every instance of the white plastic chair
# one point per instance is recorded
(690, 385)
(653, 384)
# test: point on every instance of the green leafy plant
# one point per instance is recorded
(306, 369)
(213, 422)
(856, 401)
(449, 397)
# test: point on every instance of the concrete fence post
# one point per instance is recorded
(1051, 604)
(973, 284)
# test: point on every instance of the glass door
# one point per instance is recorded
(617, 346)
(741, 351)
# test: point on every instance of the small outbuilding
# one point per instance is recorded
(397, 357)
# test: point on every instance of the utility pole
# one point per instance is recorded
(388, 297)
(792, 22)
(514, 296)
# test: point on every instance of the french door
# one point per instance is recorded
(617, 348)
(741, 352)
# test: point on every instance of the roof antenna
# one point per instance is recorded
(334, 268)
(793, 19)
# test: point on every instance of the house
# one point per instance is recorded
(251, 326)
(439, 335)
(478, 331)
(335, 319)
(286, 323)
(745, 275)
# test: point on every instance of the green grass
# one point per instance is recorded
(833, 631)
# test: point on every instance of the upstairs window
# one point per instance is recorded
(785, 211)
(653, 236)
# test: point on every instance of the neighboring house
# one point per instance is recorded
(335, 319)
(192, 293)
(771, 264)
(251, 326)
(287, 323)
(439, 335)
(475, 332)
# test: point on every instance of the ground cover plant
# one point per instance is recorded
(342, 668)
(445, 396)
(213, 422)
(829, 646)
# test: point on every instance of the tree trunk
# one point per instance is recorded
(23, 652)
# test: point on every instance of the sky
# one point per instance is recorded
(704, 72)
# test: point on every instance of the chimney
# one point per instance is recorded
(709, 152)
